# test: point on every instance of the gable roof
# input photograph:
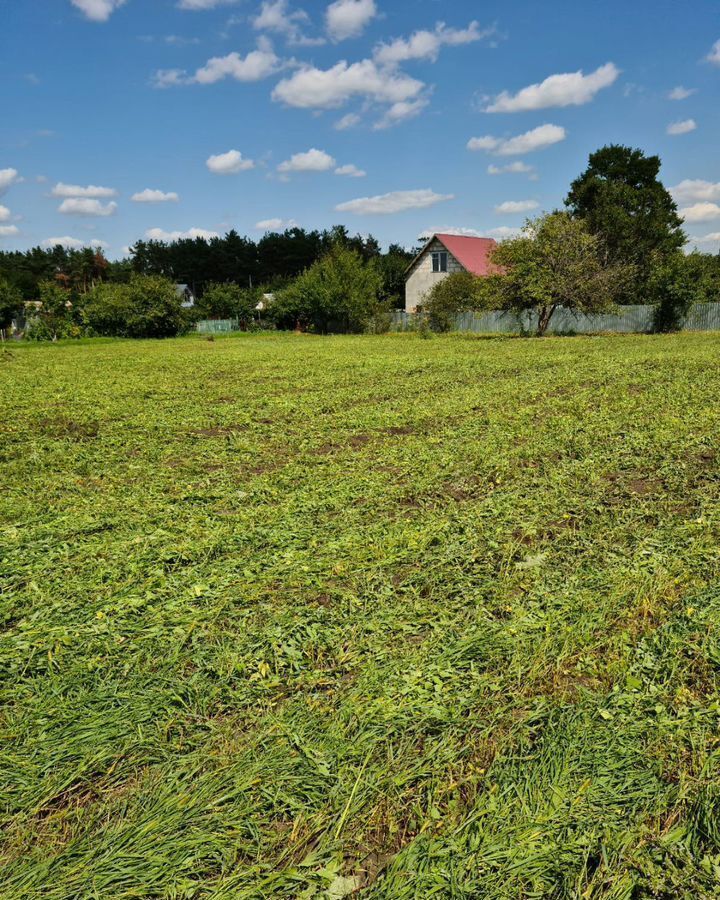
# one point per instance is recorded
(471, 252)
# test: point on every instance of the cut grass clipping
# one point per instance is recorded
(301, 617)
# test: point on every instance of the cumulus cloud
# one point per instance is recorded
(82, 206)
(684, 127)
(71, 243)
(97, 10)
(203, 4)
(276, 16)
(152, 196)
(76, 190)
(159, 234)
(504, 231)
(681, 93)
(568, 89)
(312, 88)
(516, 206)
(712, 238)
(229, 163)
(8, 177)
(351, 171)
(312, 160)
(274, 224)
(400, 112)
(700, 212)
(513, 168)
(694, 189)
(8, 231)
(714, 54)
(427, 44)
(254, 66)
(535, 139)
(4, 213)
(394, 202)
(348, 18)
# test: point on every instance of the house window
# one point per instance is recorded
(439, 261)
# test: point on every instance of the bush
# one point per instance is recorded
(230, 301)
(673, 288)
(55, 315)
(147, 307)
(457, 293)
(338, 293)
(10, 304)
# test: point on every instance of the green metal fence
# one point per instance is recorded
(626, 320)
(217, 326)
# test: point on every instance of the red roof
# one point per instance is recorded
(470, 252)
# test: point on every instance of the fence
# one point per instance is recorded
(217, 326)
(627, 320)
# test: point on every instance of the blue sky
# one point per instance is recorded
(135, 118)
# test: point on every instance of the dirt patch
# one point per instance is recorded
(399, 430)
(643, 487)
(218, 430)
(69, 429)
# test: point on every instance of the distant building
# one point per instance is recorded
(185, 292)
(442, 255)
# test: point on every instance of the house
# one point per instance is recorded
(186, 295)
(442, 255)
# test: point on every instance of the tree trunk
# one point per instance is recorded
(546, 313)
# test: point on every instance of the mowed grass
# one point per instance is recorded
(288, 616)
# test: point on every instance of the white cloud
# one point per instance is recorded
(700, 212)
(82, 206)
(276, 16)
(513, 168)
(312, 160)
(536, 139)
(8, 177)
(427, 44)
(72, 243)
(152, 196)
(394, 202)
(568, 89)
(159, 234)
(502, 232)
(684, 127)
(76, 190)
(516, 206)
(681, 93)
(351, 170)
(229, 163)
(691, 190)
(8, 230)
(255, 66)
(348, 18)
(400, 112)
(4, 213)
(712, 238)
(311, 88)
(97, 10)
(348, 121)
(274, 224)
(714, 54)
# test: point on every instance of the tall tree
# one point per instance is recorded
(623, 201)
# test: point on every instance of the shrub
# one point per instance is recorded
(459, 292)
(54, 315)
(338, 293)
(147, 307)
(10, 304)
(230, 301)
(673, 288)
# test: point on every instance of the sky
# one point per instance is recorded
(129, 119)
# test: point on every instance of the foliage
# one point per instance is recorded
(10, 303)
(623, 201)
(555, 261)
(458, 292)
(53, 316)
(392, 266)
(673, 290)
(339, 293)
(229, 301)
(147, 307)
(442, 616)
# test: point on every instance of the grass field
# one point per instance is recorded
(286, 616)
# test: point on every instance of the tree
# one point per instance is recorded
(457, 293)
(229, 301)
(392, 266)
(554, 262)
(673, 287)
(147, 307)
(623, 202)
(338, 293)
(10, 304)
(53, 316)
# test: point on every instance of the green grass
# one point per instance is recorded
(286, 616)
